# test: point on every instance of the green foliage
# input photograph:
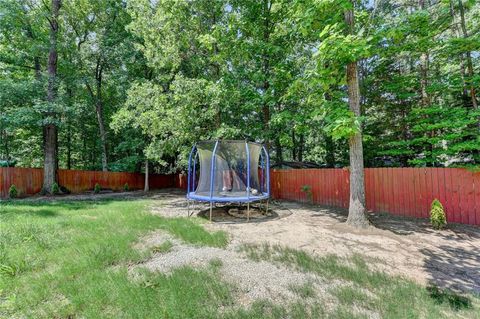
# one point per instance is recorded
(161, 75)
(438, 218)
(126, 188)
(55, 189)
(12, 191)
(97, 188)
(307, 189)
(8, 163)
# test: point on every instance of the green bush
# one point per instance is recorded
(437, 215)
(97, 188)
(12, 191)
(64, 190)
(55, 190)
(126, 188)
(307, 189)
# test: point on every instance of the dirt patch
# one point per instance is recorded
(241, 213)
(90, 195)
(408, 247)
(252, 280)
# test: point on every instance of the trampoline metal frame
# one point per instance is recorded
(212, 199)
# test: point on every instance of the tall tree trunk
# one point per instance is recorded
(356, 211)
(147, 185)
(294, 147)
(425, 98)
(278, 151)
(330, 149)
(473, 94)
(103, 137)
(50, 129)
(266, 70)
(99, 111)
(329, 143)
(98, 100)
(69, 146)
(455, 30)
(300, 148)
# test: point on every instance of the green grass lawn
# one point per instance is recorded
(70, 260)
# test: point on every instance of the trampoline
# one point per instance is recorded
(228, 171)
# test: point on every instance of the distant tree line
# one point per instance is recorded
(106, 85)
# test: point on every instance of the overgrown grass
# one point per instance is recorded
(376, 291)
(70, 259)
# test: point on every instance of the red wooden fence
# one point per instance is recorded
(29, 180)
(399, 191)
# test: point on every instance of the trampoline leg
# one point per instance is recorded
(211, 207)
(248, 212)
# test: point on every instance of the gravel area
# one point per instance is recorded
(253, 280)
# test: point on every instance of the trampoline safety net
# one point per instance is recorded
(228, 171)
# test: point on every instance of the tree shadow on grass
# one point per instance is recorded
(407, 226)
(453, 300)
(44, 213)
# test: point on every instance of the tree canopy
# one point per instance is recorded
(145, 79)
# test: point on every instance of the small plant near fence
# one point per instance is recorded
(307, 189)
(55, 189)
(12, 191)
(126, 188)
(97, 188)
(437, 215)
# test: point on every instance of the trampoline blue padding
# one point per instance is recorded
(227, 199)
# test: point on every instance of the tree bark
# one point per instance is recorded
(103, 137)
(99, 111)
(294, 146)
(473, 94)
(147, 185)
(278, 151)
(455, 30)
(300, 148)
(356, 211)
(266, 70)
(98, 101)
(50, 129)
(330, 149)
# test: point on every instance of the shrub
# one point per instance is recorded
(437, 215)
(55, 190)
(126, 188)
(12, 191)
(97, 188)
(64, 190)
(307, 189)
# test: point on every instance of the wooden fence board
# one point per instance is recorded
(29, 181)
(476, 182)
(400, 191)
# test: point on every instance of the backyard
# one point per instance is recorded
(136, 255)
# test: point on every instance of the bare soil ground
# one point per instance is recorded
(448, 258)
